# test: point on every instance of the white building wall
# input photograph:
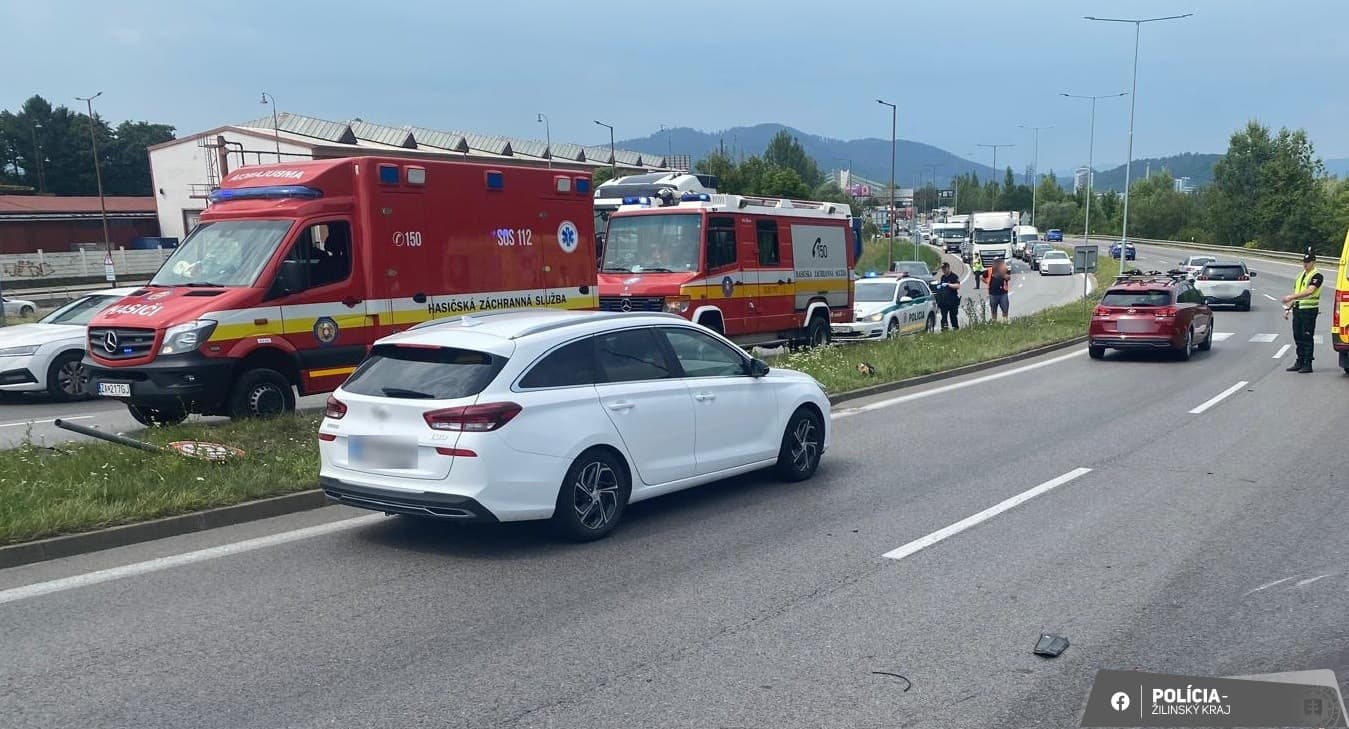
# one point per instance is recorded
(178, 167)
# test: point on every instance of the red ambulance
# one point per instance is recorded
(759, 270)
(295, 269)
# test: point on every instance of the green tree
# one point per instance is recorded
(128, 170)
(1290, 198)
(785, 151)
(1236, 181)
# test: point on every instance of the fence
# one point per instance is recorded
(35, 270)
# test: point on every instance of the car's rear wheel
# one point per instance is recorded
(593, 496)
(153, 417)
(1245, 303)
(802, 446)
(67, 378)
(1186, 350)
(1096, 352)
(1207, 344)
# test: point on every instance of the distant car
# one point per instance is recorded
(568, 416)
(1151, 312)
(1037, 253)
(887, 307)
(1194, 264)
(1054, 235)
(1226, 282)
(916, 269)
(19, 307)
(48, 354)
(1055, 263)
(1130, 253)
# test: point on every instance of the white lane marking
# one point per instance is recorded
(1318, 339)
(948, 388)
(992, 511)
(1222, 336)
(1264, 338)
(44, 420)
(178, 560)
(1266, 586)
(1282, 351)
(1271, 298)
(1219, 397)
(1310, 580)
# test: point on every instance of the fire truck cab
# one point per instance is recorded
(759, 270)
(296, 269)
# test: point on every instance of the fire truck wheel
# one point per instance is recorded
(151, 417)
(817, 332)
(261, 393)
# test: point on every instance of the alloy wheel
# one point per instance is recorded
(805, 445)
(596, 495)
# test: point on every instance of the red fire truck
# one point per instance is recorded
(759, 270)
(295, 269)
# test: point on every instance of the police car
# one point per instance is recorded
(886, 306)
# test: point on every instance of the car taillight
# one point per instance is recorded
(1203, 278)
(1166, 312)
(472, 418)
(327, 437)
(334, 408)
(1101, 311)
(1243, 277)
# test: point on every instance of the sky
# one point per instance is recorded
(963, 72)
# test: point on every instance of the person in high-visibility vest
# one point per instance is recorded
(1305, 305)
(978, 264)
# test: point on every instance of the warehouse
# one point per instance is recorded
(32, 223)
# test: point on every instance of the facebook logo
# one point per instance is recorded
(1119, 701)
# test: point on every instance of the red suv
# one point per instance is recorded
(1151, 312)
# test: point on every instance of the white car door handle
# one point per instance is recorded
(704, 397)
(619, 405)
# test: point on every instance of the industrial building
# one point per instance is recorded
(32, 223)
(186, 170)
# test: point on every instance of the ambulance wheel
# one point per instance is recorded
(261, 393)
(817, 332)
(156, 417)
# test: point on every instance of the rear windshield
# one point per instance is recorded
(1156, 297)
(1224, 273)
(417, 373)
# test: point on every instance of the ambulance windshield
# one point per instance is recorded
(653, 243)
(224, 253)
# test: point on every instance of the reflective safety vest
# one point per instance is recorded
(1313, 301)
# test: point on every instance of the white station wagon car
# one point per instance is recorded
(47, 355)
(568, 416)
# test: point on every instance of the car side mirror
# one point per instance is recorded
(756, 368)
(1252, 274)
(291, 278)
(906, 299)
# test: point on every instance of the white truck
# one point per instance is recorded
(991, 234)
(950, 237)
(1024, 237)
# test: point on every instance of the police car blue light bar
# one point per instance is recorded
(636, 201)
(695, 197)
(268, 192)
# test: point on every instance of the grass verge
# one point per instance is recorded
(923, 354)
(876, 251)
(81, 487)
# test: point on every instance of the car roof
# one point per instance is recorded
(497, 331)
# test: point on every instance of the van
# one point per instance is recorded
(296, 268)
(1339, 325)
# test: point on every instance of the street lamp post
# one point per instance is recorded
(1035, 168)
(1133, 98)
(995, 148)
(98, 175)
(669, 144)
(613, 158)
(1091, 148)
(547, 137)
(276, 130)
(37, 160)
(894, 117)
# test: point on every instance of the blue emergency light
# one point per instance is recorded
(388, 174)
(636, 201)
(583, 185)
(871, 274)
(695, 197)
(268, 192)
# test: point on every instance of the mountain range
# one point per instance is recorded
(868, 158)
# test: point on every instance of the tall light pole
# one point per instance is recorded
(613, 158)
(276, 130)
(1091, 148)
(669, 145)
(1133, 98)
(1035, 167)
(932, 168)
(98, 172)
(547, 137)
(894, 118)
(37, 160)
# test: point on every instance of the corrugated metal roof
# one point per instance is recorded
(392, 136)
(488, 143)
(308, 126)
(531, 147)
(29, 204)
(452, 141)
(567, 151)
(626, 157)
(598, 154)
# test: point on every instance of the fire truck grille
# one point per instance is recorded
(632, 303)
(114, 343)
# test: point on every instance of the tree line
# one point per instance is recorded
(46, 149)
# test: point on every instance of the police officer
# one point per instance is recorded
(977, 266)
(1304, 301)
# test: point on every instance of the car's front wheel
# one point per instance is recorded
(892, 329)
(593, 496)
(67, 377)
(802, 446)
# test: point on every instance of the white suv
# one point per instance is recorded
(1226, 282)
(568, 416)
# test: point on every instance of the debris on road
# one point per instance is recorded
(1050, 646)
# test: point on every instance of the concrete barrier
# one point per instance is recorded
(20, 271)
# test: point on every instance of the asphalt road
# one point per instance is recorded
(1172, 531)
(29, 416)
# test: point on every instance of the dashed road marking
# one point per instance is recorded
(1222, 336)
(1310, 580)
(1267, 585)
(1264, 338)
(1271, 298)
(1219, 397)
(1282, 351)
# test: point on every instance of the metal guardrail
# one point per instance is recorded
(1235, 251)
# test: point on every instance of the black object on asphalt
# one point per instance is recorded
(1050, 646)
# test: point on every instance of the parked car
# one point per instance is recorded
(916, 269)
(48, 354)
(1054, 235)
(1226, 282)
(1151, 312)
(889, 307)
(567, 416)
(1038, 252)
(19, 307)
(1130, 253)
(1055, 263)
(1194, 264)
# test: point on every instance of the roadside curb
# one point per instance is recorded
(957, 372)
(14, 555)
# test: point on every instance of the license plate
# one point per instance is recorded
(114, 389)
(1135, 326)
(378, 451)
